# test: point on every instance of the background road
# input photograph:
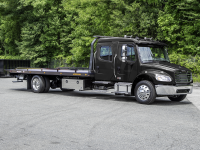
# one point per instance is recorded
(90, 121)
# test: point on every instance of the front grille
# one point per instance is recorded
(183, 77)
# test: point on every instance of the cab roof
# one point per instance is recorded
(136, 40)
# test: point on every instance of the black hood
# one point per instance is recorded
(165, 66)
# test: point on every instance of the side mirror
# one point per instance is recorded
(124, 53)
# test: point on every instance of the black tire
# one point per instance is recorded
(47, 84)
(177, 98)
(29, 82)
(37, 84)
(146, 97)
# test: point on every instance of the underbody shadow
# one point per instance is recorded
(160, 101)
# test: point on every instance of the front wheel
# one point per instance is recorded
(177, 98)
(145, 92)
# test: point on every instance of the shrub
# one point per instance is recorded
(188, 61)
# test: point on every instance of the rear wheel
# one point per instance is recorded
(177, 98)
(37, 84)
(145, 92)
(47, 84)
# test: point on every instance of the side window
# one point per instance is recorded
(106, 53)
(130, 53)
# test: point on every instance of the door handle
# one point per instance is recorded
(118, 70)
(97, 69)
(114, 65)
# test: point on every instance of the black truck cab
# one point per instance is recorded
(112, 63)
(145, 64)
(121, 65)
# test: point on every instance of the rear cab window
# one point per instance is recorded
(106, 53)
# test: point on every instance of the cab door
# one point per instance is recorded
(126, 68)
(104, 62)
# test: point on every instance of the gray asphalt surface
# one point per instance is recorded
(93, 121)
(195, 97)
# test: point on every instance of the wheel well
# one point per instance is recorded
(138, 79)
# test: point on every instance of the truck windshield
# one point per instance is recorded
(152, 54)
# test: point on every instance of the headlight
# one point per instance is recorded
(160, 77)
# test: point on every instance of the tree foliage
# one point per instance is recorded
(10, 26)
(179, 24)
(42, 34)
(109, 18)
(43, 30)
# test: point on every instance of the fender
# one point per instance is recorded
(149, 75)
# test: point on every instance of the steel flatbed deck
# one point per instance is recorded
(69, 72)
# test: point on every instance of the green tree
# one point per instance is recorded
(9, 26)
(42, 31)
(89, 18)
(137, 18)
(108, 18)
(179, 24)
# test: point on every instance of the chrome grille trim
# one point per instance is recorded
(183, 77)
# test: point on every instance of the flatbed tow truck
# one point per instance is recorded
(120, 65)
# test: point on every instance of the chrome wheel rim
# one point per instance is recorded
(143, 92)
(36, 84)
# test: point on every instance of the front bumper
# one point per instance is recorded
(166, 90)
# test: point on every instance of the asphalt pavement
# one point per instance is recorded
(195, 96)
(94, 121)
